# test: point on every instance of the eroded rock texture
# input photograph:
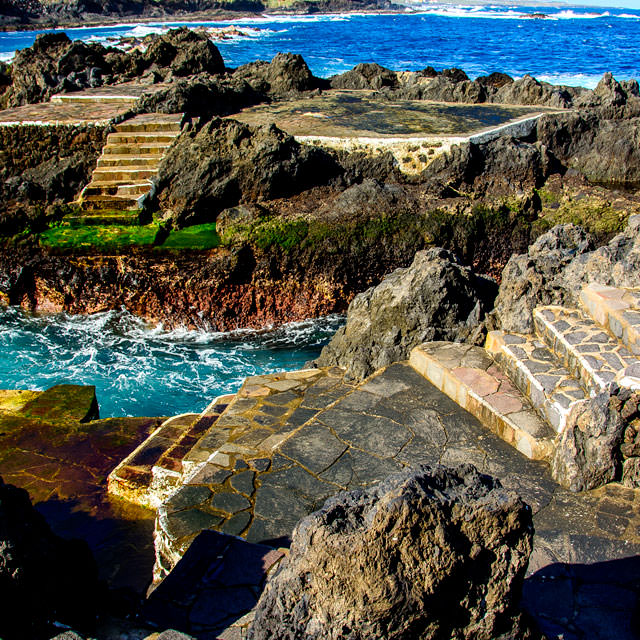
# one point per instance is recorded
(430, 553)
(436, 298)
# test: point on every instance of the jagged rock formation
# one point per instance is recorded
(226, 162)
(557, 265)
(432, 553)
(43, 578)
(436, 298)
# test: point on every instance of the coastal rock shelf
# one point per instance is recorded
(415, 132)
(573, 357)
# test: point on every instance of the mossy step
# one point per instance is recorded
(533, 368)
(102, 203)
(99, 238)
(101, 217)
(470, 377)
(93, 99)
(587, 350)
(617, 310)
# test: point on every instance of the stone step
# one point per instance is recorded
(103, 217)
(131, 126)
(130, 480)
(102, 203)
(529, 364)
(115, 188)
(154, 121)
(470, 377)
(118, 174)
(617, 310)
(83, 98)
(128, 161)
(584, 348)
(142, 138)
(142, 149)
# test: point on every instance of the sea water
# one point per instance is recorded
(141, 370)
(572, 45)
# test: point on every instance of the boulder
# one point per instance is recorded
(226, 162)
(502, 167)
(285, 74)
(43, 578)
(528, 90)
(557, 266)
(366, 75)
(587, 453)
(53, 64)
(535, 278)
(428, 553)
(436, 298)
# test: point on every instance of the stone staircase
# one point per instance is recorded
(523, 387)
(125, 172)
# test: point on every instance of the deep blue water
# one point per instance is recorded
(573, 46)
(143, 371)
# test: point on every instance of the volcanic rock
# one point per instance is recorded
(43, 578)
(285, 74)
(557, 266)
(587, 453)
(429, 553)
(366, 75)
(226, 162)
(436, 298)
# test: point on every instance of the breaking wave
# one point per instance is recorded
(140, 370)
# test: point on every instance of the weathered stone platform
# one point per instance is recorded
(414, 131)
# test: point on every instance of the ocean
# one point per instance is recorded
(141, 370)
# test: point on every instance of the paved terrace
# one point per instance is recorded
(414, 131)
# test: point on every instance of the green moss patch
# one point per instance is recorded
(99, 237)
(200, 236)
(598, 218)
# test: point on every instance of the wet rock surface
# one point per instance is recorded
(435, 298)
(335, 581)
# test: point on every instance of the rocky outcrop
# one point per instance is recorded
(366, 75)
(556, 267)
(627, 404)
(436, 298)
(55, 64)
(430, 553)
(226, 162)
(587, 453)
(43, 578)
(286, 74)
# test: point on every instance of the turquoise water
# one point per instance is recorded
(144, 371)
(574, 45)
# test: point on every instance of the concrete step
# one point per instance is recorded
(122, 188)
(130, 480)
(129, 161)
(133, 149)
(470, 377)
(142, 138)
(118, 174)
(529, 364)
(150, 126)
(617, 310)
(589, 352)
(104, 216)
(109, 203)
(82, 98)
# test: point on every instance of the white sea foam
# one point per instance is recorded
(7, 56)
(145, 370)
